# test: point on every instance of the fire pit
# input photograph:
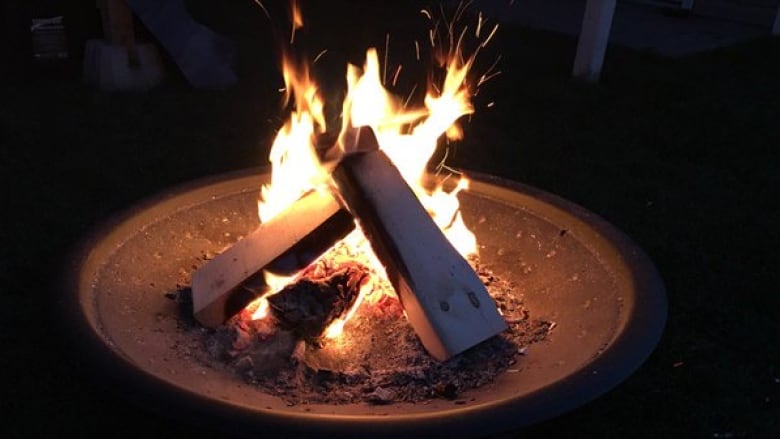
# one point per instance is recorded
(571, 267)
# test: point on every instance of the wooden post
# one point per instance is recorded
(118, 28)
(117, 61)
(445, 301)
(594, 36)
(317, 215)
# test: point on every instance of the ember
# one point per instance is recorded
(321, 294)
(377, 360)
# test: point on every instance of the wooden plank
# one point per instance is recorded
(776, 24)
(118, 27)
(316, 220)
(445, 301)
(594, 36)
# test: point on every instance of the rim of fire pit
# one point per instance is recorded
(639, 321)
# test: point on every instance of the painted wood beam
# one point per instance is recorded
(594, 36)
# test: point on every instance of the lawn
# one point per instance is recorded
(678, 153)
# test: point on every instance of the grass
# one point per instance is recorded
(680, 154)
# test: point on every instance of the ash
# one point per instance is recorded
(378, 358)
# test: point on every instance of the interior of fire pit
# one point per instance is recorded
(572, 268)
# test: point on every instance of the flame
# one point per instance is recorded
(337, 327)
(261, 308)
(409, 137)
(296, 18)
(295, 163)
(275, 283)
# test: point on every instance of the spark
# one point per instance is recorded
(409, 98)
(443, 165)
(426, 13)
(495, 63)
(319, 55)
(397, 72)
(460, 10)
(297, 19)
(485, 78)
(489, 37)
(384, 67)
(490, 73)
(458, 49)
(479, 25)
(450, 25)
(262, 6)
(417, 49)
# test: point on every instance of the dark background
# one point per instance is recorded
(681, 154)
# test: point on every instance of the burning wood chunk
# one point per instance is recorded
(315, 222)
(445, 301)
(317, 298)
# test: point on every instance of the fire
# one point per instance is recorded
(274, 283)
(408, 136)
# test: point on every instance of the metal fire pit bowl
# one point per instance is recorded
(572, 268)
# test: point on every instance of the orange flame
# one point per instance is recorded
(296, 167)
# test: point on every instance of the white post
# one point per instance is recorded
(776, 26)
(592, 45)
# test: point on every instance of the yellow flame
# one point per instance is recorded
(409, 137)
(297, 19)
(295, 164)
(275, 283)
(262, 308)
(337, 326)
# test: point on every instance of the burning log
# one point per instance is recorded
(308, 306)
(445, 301)
(314, 222)
(300, 312)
